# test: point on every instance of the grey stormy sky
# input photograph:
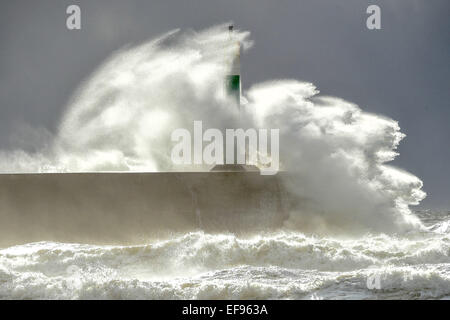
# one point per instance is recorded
(401, 71)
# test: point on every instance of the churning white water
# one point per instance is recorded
(279, 265)
(355, 223)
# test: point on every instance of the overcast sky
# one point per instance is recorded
(401, 71)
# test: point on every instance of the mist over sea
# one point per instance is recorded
(353, 235)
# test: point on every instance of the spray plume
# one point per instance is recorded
(122, 117)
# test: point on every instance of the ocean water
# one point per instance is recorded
(273, 265)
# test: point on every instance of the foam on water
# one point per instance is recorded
(281, 265)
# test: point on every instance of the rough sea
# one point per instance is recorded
(277, 265)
